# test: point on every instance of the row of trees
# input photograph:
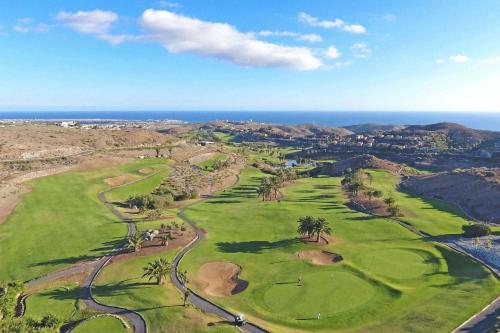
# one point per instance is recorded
(356, 183)
(269, 188)
(313, 226)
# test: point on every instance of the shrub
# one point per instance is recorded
(476, 230)
(50, 321)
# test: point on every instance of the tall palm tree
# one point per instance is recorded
(134, 242)
(306, 226)
(321, 227)
(158, 269)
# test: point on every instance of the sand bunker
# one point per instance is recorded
(119, 180)
(220, 279)
(319, 257)
(146, 171)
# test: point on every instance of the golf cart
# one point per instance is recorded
(240, 320)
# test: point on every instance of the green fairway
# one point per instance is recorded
(121, 284)
(60, 301)
(210, 163)
(384, 283)
(101, 324)
(62, 222)
(431, 216)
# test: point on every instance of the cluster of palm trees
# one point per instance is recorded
(269, 188)
(355, 182)
(313, 226)
(392, 207)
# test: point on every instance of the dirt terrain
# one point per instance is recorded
(220, 279)
(477, 196)
(359, 162)
(37, 140)
(319, 257)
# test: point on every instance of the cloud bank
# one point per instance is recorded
(179, 34)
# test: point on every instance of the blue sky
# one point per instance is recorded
(250, 55)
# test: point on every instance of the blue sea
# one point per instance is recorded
(477, 120)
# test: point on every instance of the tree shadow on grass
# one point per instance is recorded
(254, 246)
(223, 201)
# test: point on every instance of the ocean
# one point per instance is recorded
(477, 120)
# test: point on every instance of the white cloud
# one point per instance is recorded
(440, 61)
(328, 24)
(459, 58)
(361, 50)
(27, 24)
(389, 17)
(332, 52)
(312, 38)
(169, 4)
(491, 60)
(96, 22)
(178, 34)
(354, 28)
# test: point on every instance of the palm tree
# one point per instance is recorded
(265, 189)
(134, 242)
(321, 227)
(306, 226)
(165, 238)
(158, 269)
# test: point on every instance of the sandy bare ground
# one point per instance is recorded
(146, 171)
(201, 158)
(220, 279)
(319, 257)
(119, 180)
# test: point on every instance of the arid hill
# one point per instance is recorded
(477, 193)
(27, 141)
(359, 162)
(373, 128)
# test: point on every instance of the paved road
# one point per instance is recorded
(483, 322)
(136, 319)
(200, 302)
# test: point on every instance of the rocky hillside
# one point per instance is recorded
(476, 192)
(362, 162)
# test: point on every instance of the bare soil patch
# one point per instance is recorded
(220, 279)
(10, 196)
(319, 257)
(119, 180)
(180, 239)
(146, 171)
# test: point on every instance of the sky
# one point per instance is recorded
(380, 55)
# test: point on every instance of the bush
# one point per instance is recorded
(50, 321)
(476, 230)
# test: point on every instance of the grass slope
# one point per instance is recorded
(101, 324)
(121, 284)
(390, 280)
(62, 222)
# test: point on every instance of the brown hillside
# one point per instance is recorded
(359, 162)
(477, 196)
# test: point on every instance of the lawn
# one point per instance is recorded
(101, 324)
(431, 216)
(390, 279)
(121, 284)
(61, 221)
(210, 163)
(61, 301)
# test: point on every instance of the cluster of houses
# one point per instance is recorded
(425, 144)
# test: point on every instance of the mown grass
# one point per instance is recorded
(210, 163)
(431, 216)
(390, 279)
(101, 324)
(121, 284)
(60, 222)
(61, 301)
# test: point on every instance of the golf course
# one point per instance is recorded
(371, 274)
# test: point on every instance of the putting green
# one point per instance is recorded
(398, 263)
(316, 294)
